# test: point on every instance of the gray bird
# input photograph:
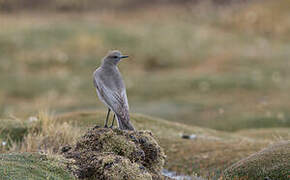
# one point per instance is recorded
(111, 89)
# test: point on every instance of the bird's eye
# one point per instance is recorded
(115, 56)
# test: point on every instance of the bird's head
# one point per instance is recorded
(114, 57)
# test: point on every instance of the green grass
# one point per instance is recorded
(271, 162)
(31, 166)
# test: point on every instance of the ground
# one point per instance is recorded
(206, 155)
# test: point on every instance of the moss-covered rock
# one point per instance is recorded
(104, 153)
(271, 163)
(32, 166)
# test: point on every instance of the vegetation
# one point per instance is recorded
(104, 153)
(32, 166)
(272, 162)
(216, 70)
(90, 5)
(207, 155)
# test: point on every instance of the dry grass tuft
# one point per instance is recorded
(47, 135)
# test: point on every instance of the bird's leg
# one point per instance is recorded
(107, 118)
(113, 122)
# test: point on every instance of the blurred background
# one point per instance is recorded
(220, 64)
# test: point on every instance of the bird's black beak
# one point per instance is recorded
(122, 57)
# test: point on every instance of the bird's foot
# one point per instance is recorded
(106, 126)
(111, 127)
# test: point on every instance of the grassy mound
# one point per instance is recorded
(104, 153)
(31, 166)
(272, 162)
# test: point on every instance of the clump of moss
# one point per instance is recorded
(270, 163)
(104, 153)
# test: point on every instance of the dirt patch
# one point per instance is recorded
(104, 153)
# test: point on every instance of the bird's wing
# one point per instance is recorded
(117, 101)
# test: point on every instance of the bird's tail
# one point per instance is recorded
(124, 122)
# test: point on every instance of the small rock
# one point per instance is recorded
(191, 136)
